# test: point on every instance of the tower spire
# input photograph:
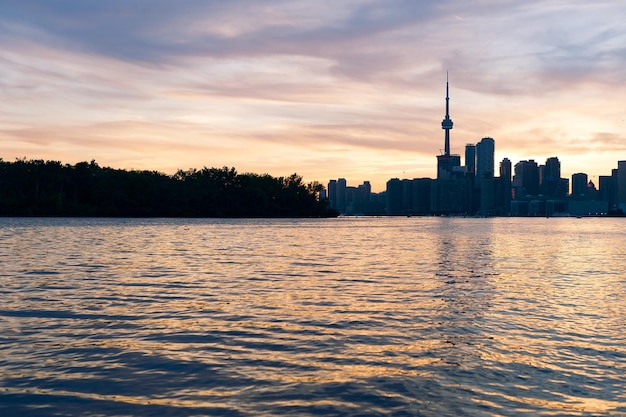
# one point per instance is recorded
(446, 124)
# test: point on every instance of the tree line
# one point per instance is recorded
(50, 188)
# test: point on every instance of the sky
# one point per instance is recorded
(325, 89)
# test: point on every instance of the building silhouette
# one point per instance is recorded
(525, 179)
(470, 159)
(552, 185)
(621, 185)
(484, 158)
(505, 187)
(484, 182)
(451, 193)
(447, 162)
(608, 190)
(354, 200)
(523, 189)
(579, 185)
(331, 193)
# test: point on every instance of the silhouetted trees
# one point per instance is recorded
(38, 188)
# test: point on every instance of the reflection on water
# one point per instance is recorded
(350, 316)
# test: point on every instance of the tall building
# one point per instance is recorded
(362, 198)
(621, 185)
(484, 158)
(552, 168)
(470, 158)
(505, 170)
(447, 162)
(332, 193)
(340, 202)
(608, 190)
(505, 182)
(579, 185)
(526, 179)
(394, 197)
(484, 179)
(550, 179)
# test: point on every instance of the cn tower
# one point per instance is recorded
(447, 163)
(446, 124)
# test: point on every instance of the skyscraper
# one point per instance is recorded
(550, 179)
(505, 170)
(579, 185)
(505, 181)
(484, 174)
(332, 193)
(552, 169)
(340, 203)
(470, 158)
(608, 190)
(447, 161)
(526, 179)
(621, 184)
(484, 158)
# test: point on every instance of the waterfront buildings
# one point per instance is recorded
(523, 189)
(354, 200)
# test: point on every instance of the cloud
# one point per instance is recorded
(342, 87)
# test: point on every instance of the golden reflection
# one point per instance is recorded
(493, 313)
(569, 403)
(129, 399)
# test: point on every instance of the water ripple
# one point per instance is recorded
(333, 317)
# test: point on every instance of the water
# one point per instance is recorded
(333, 317)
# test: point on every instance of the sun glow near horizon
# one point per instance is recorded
(358, 96)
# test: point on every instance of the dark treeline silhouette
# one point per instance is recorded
(38, 188)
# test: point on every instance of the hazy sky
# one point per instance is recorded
(327, 89)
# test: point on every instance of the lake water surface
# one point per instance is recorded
(329, 317)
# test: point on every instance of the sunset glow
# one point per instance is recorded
(354, 90)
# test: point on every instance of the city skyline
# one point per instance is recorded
(470, 187)
(351, 90)
(479, 162)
